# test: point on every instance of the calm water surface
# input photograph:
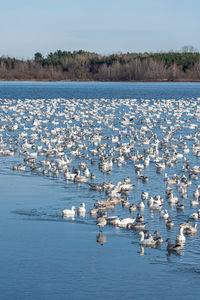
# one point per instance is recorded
(43, 256)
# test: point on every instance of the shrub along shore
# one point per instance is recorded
(86, 66)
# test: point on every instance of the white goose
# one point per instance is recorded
(149, 242)
(180, 238)
(164, 214)
(82, 210)
(79, 178)
(125, 222)
(69, 212)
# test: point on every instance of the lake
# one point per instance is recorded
(46, 256)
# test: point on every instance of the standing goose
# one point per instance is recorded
(101, 222)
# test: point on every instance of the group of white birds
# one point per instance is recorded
(86, 139)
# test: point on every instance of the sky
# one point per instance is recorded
(101, 26)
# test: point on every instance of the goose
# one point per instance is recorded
(125, 203)
(93, 211)
(158, 238)
(169, 223)
(150, 201)
(155, 206)
(194, 216)
(179, 206)
(132, 208)
(69, 212)
(113, 220)
(101, 222)
(79, 178)
(149, 242)
(194, 202)
(144, 195)
(141, 205)
(172, 247)
(125, 222)
(164, 214)
(196, 193)
(189, 230)
(82, 209)
(172, 199)
(186, 224)
(138, 226)
(86, 172)
(139, 218)
(92, 176)
(68, 175)
(180, 238)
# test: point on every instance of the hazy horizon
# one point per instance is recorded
(104, 27)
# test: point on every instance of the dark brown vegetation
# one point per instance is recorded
(82, 65)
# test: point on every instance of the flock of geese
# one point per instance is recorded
(86, 140)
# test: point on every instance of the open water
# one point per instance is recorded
(43, 256)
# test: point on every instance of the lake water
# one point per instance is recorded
(46, 256)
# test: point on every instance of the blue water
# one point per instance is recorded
(43, 256)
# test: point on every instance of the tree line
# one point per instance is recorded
(82, 65)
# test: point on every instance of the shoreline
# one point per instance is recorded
(87, 80)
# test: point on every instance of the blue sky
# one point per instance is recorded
(105, 27)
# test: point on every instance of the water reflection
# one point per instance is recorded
(141, 251)
(101, 239)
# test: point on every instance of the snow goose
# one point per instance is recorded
(82, 210)
(149, 242)
(69, 212)
(180, 238)
(164, 214)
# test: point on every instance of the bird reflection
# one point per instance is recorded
(81, 214)
(101, 239)
(68, 218)
(141, 252)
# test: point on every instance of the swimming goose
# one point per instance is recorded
(141, 205)
(194, 202)
(158, 238)
(132, 208)
(69, 212)
(179, 206)
(149, 242)
(172, 247)
(191, 230)
(194, 216)
(125, 222)
(138, 226)
(113, 220)
(172, 199)
(139, 218)
(180, 238)
(79, 178)
(164, 214)
(169, 223)
(82, 209)
(144, 195)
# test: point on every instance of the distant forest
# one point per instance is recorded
(81, 65)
